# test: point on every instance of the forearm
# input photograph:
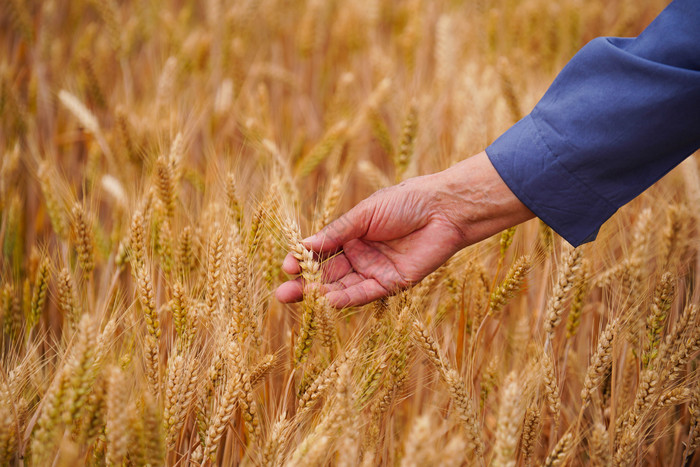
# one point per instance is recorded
(474, 197)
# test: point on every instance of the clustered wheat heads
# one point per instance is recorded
(159, 160)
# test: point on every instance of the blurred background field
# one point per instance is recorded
(160, 158)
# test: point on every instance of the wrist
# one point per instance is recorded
(473, 197)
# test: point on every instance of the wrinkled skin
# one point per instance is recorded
(400, 234)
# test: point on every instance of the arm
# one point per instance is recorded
(401, 234)
(620, 115)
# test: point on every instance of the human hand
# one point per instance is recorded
(400, 234)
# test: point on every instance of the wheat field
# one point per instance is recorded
(159, 158)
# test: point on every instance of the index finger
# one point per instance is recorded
(331, 238)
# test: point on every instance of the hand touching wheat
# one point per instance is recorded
(400, 234)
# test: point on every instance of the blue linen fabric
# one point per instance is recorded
(619, 116)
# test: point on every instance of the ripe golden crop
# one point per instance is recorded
(159, 160)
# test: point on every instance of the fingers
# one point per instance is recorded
(290, 265)
(332, 237)
(351, 225)
(359, 294)
(335, 270)
(351, 290)
(290, 291)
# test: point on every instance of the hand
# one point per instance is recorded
(400, 234)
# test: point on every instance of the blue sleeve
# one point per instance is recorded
(620, 115)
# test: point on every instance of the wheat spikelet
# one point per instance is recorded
(82, 370)
(249, 410)
(332, 139)
(600, 362)
(505, 240)
(164, 246)
(54, 207)
(321, 384)
(674, 338)
(185, 251)
(373, 175)
(41, 284)
(565, 281)
(149, 449)
(687, 346)
(95, 411)
(12, 315)
(166, 82)
(560, 452)
(26, 299)
(673, 233)
(581, 285)
(311, 272)
(489, 381)
(675, 396)
(86, 118)
(84, 238)
(8, 427)
(510, 415)
(505, 72)
(179, 307)
(276, 442)
(407, 144)
(694, 432)
(314, 448)
(68, 394)
(625, 453)
(165, 185)
(551, 386)
(634, 270)
(599, 446)
(117, 424)
(445, 50)
(93, 85)
(151, 357)
(398, 373)
(172, 414)
(137, 241)
(531, 428)
(67, 298)
(545, 236)
(215, 255)
(255, 233)
(262, 369)
(330, 202)
(125, 135)
(417, 447)
(382, 135)
(464, 410)
(107, 10)
(510, 286)
(426, 343)
(663, 298)
(238, 302)
(146, 296)
(646, 391)
(235, 209)
(227, 403)
(325, 318)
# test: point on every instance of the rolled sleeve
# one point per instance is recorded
(621, 114)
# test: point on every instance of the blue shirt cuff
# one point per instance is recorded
(537, 178)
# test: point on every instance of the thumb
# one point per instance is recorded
(351, 225)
